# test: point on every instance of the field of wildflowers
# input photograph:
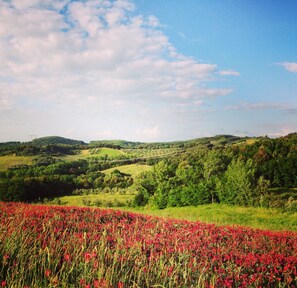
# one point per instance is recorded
(43, 246)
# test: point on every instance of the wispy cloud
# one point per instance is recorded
(229, 73)
(290, 66)
(258, 106)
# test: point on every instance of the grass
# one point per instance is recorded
(94, 153)
(220, 214)
(101, 200)
(255, 217)
(9, 161)
(132, 169)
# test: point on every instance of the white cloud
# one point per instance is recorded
(215, 92)
(229, 73)
(290, 66)
(95, 56)
(259, 106)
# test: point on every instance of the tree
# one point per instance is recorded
(238, 183)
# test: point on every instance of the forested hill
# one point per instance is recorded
(224, 169)
(51, 145)
(55, 140)
(209, 141)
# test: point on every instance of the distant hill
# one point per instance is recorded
(55, 140)
(215, 140)
(118, 144)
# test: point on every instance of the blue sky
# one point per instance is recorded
(147, 70)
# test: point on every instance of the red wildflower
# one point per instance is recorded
(47, 273)
(67, 257)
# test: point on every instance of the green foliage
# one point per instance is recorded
(237, 185)
(55, 140)
(223, 168)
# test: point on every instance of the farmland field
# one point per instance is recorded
(132, 169)
(44, 246)
(95, 153)
(102, 200)
(151, 153)
(10, 161)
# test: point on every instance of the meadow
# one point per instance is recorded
(131, 169)
(98, 200)
(218, 214)
(10, 161)
(94, 153)
(222, 214)
(47, 246)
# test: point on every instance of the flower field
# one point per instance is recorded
(43, 246)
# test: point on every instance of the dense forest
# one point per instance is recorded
(223, 169)
(239, 174)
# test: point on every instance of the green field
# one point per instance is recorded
(95, 153)
(9, 161)
(262, 218)
(219, 214)
(100, 200)
(131, 169)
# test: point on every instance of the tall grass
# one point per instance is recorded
(221, 214)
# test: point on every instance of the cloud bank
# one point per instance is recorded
(93, 58)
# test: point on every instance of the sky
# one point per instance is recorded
(147, 70)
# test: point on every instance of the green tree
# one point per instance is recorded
(238, 184)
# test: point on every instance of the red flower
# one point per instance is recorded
(67, 257)
(47, 273)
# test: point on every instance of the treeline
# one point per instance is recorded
(206, 141)
(28, 149)
(58, 146)
(52, 145)
(224, 169)
(233, 174)
(49, 178)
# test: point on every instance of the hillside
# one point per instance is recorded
(55, 140)
(244, 171)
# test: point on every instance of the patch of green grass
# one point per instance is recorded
(95, 153)
(262, 218)
(100, 200)
(132, 169)
(9, 161)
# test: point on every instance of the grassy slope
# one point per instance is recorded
(9, 161)
(261, 218)
(77, 200)
(101, 152)
(12, 160)
(132, 169)
(271, 219)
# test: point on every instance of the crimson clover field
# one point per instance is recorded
(44, 246)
